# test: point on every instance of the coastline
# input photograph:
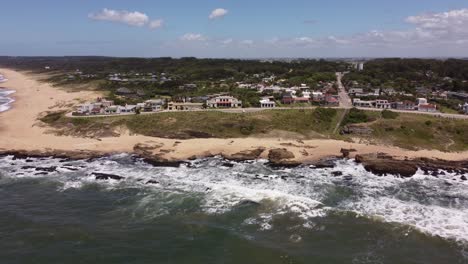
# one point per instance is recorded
(22, 132)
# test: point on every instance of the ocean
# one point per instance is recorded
(119, 209)
(5, 101)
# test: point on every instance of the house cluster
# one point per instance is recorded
(78, 74)
(303, 95)
(106, 107)
(138, 77)
(421, 105)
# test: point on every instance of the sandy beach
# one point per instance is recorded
(21, 130)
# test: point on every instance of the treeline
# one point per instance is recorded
(191, 69)
(407, 74)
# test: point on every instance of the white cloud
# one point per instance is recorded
(130, 18)
(218, 13)
(193, 37)
(227, 41)
(156, 24)
(247, 42)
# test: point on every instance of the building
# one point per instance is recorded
(154, 105)
(332, 100)
(224, 102)
(430, 108)
(173, 106)
(382, 104)
(421, 101)
(287, 99)
(266, 102)
(361, 103)
(405, 105)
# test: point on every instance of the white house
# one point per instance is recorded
(224, 102)
(361, 103)
(266, 102)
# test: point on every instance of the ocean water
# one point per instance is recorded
(5, 101)
(218, 211)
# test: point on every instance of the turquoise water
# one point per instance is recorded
(208, 211)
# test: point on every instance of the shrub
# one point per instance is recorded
(387, 114)
(356, 116)
(428, 123)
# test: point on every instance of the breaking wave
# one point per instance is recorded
(437, 206)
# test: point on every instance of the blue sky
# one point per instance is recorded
(237, 28)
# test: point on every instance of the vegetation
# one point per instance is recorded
(306, 123)
(422, 132)
(408, 74)
(355, 116)
(387, 114)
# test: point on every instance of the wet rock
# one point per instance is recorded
(463, 178)
(325, 163)
(41, 173)
(247, 203)
(282, 158)
(157, 162)
(70, 168)
(28, 167)
(105, 176)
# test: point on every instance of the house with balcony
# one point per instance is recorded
(382, 104)
(362, 103)
(184, 106)
(224, 102)
(153, 105)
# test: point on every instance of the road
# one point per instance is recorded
(345, 100)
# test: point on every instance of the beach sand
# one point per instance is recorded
(20, 130)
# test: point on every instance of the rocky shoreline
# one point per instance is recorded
(379, 163)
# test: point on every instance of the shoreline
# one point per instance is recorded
(21, 131)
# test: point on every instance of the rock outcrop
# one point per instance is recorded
(282, 158)
(252, 154)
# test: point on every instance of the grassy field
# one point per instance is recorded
(318, 123)
(410, 131)
(413, 131)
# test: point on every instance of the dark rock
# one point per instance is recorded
(337, 173)
(156, 162)
(70, 168)
(27, 167)
(105, 176)
(47, 169)
(348, 178)
(152, 182)
(41, 173)
(325, 164)
(346, 152)
(463, 178)
(227, 164)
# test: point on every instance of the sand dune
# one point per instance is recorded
(20, 130)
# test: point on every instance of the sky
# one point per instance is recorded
(235, 28)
